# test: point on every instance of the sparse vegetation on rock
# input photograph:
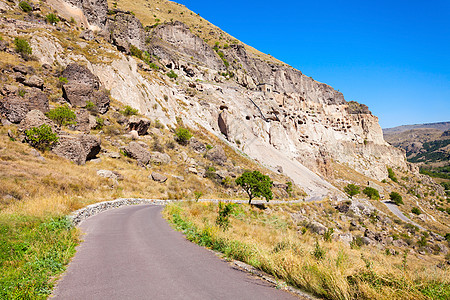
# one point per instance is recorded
(396, 198)
(351, 190)
(62, 115)
(42, 137)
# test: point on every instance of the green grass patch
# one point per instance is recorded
(33, 252)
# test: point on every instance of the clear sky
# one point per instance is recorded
(393, 56)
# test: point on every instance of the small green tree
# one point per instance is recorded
(396, 197)
(371, 193)
(25, 6)
(182, 135)
(62, 115)
(416, 211)
(22, 47)
(172, 74)
(129, 111)
(256, 184)
(391, 175)
(351, 190)
(52, 18)
(42, 137)
(222, 219)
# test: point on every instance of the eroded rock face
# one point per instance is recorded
(95, 11)
(126, 29)
(78, 148)
(171, 38)
(35, 118)
(196, 145)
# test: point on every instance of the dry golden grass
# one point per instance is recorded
(272, 243)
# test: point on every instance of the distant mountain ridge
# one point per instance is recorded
(442, 126)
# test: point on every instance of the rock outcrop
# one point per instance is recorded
(14, 108)
(78, 148)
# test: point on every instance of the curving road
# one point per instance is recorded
(132, 253)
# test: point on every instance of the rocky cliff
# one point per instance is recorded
(263, 108)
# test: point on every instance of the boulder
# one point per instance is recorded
(158, 177)
(83, 121)
(192, 170)
(160, 158)
(110, 174)
(78, 94)
(141, 125)
(345, 238)
(9, 89)
(35, 118)
(34, 81)
(134, 135)
(77, 148)
(136, 151)
(76, 73)
(87, 35)
(196, 145)
(15, 108)
(217, 155)
(317, 227)
(223, 123)
(101, 101)
(21, 69)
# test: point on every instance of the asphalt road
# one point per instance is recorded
(132, 253)
(394, 209)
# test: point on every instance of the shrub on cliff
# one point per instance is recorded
(182, 135)
(62, 115)
(25, 6)
(396, 198)
(42, 137)
(351, 190)
(371, 193)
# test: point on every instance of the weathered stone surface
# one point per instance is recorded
(78, 148)
(101, 101)
(223, 123)
(14, 108)
(34, 81)
(217, 155)
(126, 30)
(78, 94)
(158, 177)
(21, 69)
(83, 121)
(9, 89)
(110, 174)
(196, 145)
(160, 158)
(136, 151)
(87, 35)
(76, 73)
(141, 125)
(317, 227)
(35, 118)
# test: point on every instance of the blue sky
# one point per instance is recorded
(393, 56)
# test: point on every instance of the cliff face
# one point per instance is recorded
(266, 109)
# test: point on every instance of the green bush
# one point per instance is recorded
(197, 196)
(22, 46)
(222, 219)
(318, 252)
(52, 18)
(90, 106)
(129, 111)
(25, 6)
(62, 116)
(371, 193)
(42, 137)
(135, 51)
(391, 175)
(351, 190)
(172, 74)
(256, 184)
(396, 198)
(100, 123)
(416, 211)
(182, 135)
